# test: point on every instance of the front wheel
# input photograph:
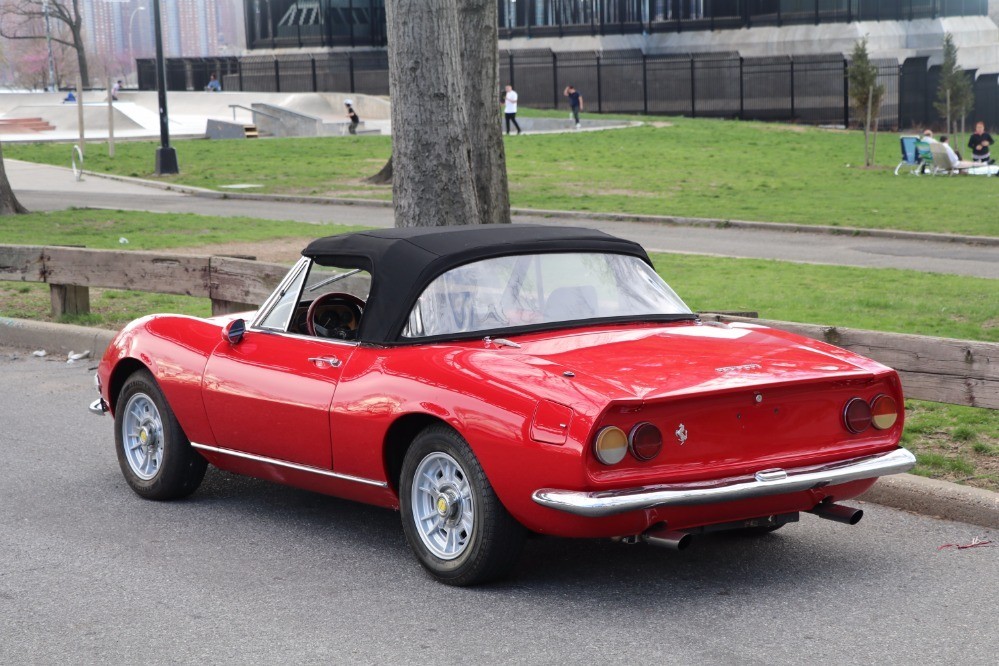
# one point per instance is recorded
(154, 454)
(454, 523)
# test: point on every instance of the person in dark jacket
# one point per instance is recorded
(354, 119)
(980, 143)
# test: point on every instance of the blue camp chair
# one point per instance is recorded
(910, 155)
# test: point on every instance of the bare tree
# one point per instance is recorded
(448, 162)
(20, 19)
(866, 93)
(9, 205)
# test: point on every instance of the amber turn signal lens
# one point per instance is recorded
(645, 441)
(884, 412)
(611, 445)
(857, 415)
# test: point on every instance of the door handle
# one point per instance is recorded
(320, 361)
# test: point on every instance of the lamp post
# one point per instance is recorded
(166, 156)
(131, 31)
(53, 86)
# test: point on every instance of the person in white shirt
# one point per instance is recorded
(510, 108)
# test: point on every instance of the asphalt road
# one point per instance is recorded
(250, 572)
(46, 188)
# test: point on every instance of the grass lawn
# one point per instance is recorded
(956, 443)
(685, 167)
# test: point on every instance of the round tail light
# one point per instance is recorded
(884, 412)
(611, 445)
(645, 441)
(857, 415)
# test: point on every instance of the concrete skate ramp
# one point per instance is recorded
(65, 116)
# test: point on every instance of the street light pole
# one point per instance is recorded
(166, 156)
(53, 86)
(131, 31)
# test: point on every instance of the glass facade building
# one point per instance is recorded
(357, 23)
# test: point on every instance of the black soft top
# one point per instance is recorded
(402, 262)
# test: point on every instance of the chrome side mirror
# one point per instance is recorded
(234, 331)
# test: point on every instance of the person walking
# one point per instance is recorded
(510, 108)
(115, 89)
(575, 102)
(354, 119)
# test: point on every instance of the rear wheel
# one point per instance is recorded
(454, 523)
(154, 454)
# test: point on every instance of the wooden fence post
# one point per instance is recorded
(69, 299)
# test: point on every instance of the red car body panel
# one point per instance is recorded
(749, 397)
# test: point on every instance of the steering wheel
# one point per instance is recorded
(334, 315)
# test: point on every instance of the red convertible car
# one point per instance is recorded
(495, 381)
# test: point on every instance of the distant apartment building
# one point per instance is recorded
(120, 29)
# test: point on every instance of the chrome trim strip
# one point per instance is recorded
(767, 482)
(97, 407)
(290, 465)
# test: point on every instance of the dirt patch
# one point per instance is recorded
(276, 251)
(659, 123)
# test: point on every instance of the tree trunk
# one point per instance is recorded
(448, 163)
(478, 22)
(9, 205)
(950, 128)
(874, 140)
(867, 129)
(81, 57)
(383, 177)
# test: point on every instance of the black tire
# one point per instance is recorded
(491, 547)
(162, 465)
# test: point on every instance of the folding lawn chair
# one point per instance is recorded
(910, 155)
(945, 165)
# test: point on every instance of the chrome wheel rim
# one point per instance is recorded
(442, 506)
(142, 436)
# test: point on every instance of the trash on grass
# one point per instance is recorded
(123, 240)
(40, 353)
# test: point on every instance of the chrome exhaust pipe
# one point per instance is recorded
(838, 512)
(665, 538)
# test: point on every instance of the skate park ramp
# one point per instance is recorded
(65, 116)
(136, 114)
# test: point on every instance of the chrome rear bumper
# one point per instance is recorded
(763, 483)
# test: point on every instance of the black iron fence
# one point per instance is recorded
(809, 89)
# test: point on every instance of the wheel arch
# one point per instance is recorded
(398, 438)
(122, 371)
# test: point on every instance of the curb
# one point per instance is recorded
(929, 497)
(940, 499)
(671, 220)
(54, 338)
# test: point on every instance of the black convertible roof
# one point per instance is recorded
(402, 262)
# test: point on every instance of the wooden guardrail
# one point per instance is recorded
(960, 372)
(231, 284)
